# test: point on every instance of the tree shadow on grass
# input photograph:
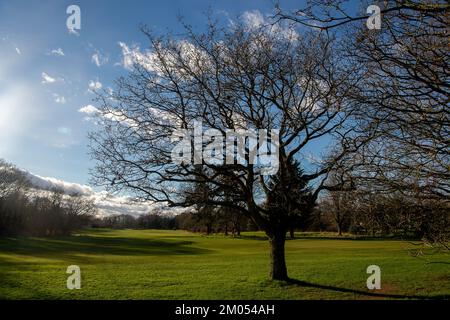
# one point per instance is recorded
(74, 246)
(364, 293)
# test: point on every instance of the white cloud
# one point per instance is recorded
(95, 85)
(89, 109)
(47, 79)
(57, 52)
(18, 51)
(121, 117)
(47, 183)
(98, 59)
(129, 55)
(106, 203)
(253, 19)
(116, 115)
(59, 99)
(132, 55)
(192, 55)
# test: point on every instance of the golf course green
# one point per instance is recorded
(155, 264)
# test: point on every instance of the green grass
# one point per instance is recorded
(151, 264)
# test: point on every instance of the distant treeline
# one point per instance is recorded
(342, 212)
(213, 223)
(28, 212)
(25, 211)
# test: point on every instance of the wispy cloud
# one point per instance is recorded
(98, 59)
(89, 109)
(47, 79)
(132, 55)
(57, 52)
(59, 99)
(116, 115)
(254, 19)
(95, 85)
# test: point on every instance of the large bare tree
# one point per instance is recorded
(405, 90)
(235, 78)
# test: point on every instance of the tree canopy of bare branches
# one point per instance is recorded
(405, 89)
(236, 78)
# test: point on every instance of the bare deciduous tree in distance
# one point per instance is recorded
(11, 179)
(239, 77)
(340, 202)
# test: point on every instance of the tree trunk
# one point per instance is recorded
(238, 229)
(278, 270)
(292, 233)
(339, 229)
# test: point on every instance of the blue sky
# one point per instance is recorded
(46, 73)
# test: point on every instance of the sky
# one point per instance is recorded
(48, 73)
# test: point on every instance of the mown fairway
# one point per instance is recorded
(150, 264)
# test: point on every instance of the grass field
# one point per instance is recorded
(151, 264)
